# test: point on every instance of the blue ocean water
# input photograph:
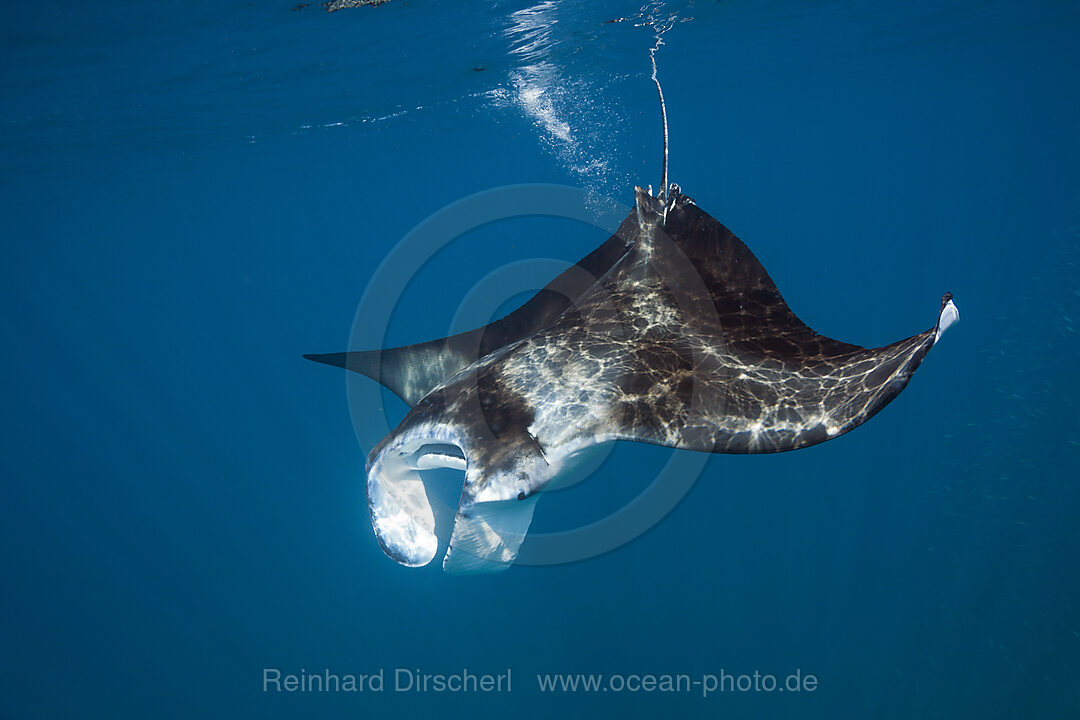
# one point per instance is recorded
(196, 194)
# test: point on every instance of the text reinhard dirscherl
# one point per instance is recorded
(400, 680)
(274, 680)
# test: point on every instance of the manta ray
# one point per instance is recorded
(671, 333)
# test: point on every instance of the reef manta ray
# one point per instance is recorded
(670, 333)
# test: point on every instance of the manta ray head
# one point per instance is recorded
(504, 468)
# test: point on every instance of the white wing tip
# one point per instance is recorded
(947, 317)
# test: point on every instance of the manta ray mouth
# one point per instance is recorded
(489, 525)
(401, 509)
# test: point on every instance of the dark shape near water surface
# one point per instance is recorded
(335, 5)
(671, 333)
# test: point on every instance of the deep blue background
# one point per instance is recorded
(195, 194)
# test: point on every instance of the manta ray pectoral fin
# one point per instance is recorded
(412, 371)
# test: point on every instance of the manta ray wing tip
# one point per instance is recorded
(948, 316)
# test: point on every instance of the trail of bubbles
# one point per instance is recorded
(566, 106)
